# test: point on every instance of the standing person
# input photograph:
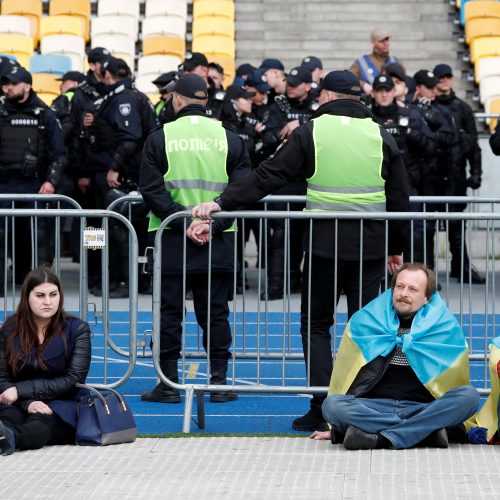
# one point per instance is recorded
(172, 179)
(274, 72)
(340, 153)
(401, 376)
(495, 140)
(61, 105)
(457, 181)
(369, 66)
(32, 161)
(44, 352)
(163, 108)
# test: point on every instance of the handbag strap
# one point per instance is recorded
(95, 391)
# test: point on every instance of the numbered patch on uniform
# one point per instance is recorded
(125, 109)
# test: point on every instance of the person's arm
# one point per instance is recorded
(6, 381)
(75, 372)
(420, 137)
(495, 140)
(468, 136)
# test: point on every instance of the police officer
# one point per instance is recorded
(61, 105)
(216, 76)
(367, 67)
(340, 153)
(242, 72)
(495, 140)
(32, 160)
(415, 141)
(274, 71)
(122, 119)
(457, 180)
(177, 171)
(163, 108)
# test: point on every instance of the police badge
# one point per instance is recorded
(125, 109)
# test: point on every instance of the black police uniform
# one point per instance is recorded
(466, 149)
(122, 120)
(32, 152)
(215, 102)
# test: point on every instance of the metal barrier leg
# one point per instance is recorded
(200, 409)
(188, 410)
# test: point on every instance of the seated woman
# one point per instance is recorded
(44, 352)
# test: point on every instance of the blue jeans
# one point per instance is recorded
(403, 423)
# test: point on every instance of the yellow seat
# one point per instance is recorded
(484, 8)
(46, 82)
(482, 26)
(20, 46)
(214, 46)
(164, 44)
(484, 47)
(62, 25)
(215, 25)
(494, 107)
(210, 8)
(32, 9)
(80, 9)
(154, 98)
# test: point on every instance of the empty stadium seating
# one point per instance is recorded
(487, 66)
(66, 45)
(114, 25)
(213, 25)
(20, 46)
(15, 25)
(493, 107)
(170, 8)
(214, 46)
(130, 8)
(62, 25)
(157, 64)
(50, 63)
(163, 25)
(484, 47)
(165, 44)
(31, 9)
(46, 82)
(482, 26)
(219, 8)
(122, 46)
(76, 8)
(489, 87)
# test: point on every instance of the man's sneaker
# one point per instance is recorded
(310, 422)
(7, 440)
(436, 439)
(162, 394)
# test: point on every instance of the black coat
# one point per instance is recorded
(68, 360)
(152, 186)
(495, 140)
(295, 159)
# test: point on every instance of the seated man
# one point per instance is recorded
(401, 375)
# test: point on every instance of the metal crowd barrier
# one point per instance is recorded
(36, 215)
(284, 353)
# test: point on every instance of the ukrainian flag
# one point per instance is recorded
(435, 347)
(487, 417)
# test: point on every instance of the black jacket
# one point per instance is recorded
(295, 158)
(67, 363)
(154, 165)
(495, 140)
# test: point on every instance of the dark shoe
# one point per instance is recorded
(356, 439)
(162, 394)
(118, 291)
(477, 279)
(272, 294)
(295, 283)
(310, 422)
(436, 439)
(218, 369)
(7, 440)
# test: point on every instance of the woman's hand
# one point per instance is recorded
(9, 396)
(39, 407)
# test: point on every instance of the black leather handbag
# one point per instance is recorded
(104, 418)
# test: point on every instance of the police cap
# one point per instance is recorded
(74, 76)
(16, 74)
(299, 75)
(235, 92)
(342, 82)
(425, 78)
(441, 70)
(395, 69)
(117, 67)
(193, 60)
(258, 81)
(98, 54)
(245, 69)
(271, 63)
(163, 80)
(383, 82)
(312, 63)
(6, 64)
(192, 86)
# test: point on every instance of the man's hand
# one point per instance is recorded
(288, 129)
(394, 262)
(39, 407)
(84, 183)
(367, 88)
(88, 119)
(47, 188)
(321, 435)
(204, 210)
(199, 232)
(9, 396)
(112, 178)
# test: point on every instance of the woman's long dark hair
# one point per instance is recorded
(24, 328)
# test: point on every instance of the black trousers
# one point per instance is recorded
(324, 298)
(171, 313)
(33, 431)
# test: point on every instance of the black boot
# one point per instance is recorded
(162, 393)
(312, 421)
(218, 367)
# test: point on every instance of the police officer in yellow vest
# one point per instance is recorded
(350, 164)
(185, 163)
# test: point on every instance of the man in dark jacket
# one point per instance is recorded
(457, 181)
(179, 168)
(401, 375)
(495, 140)
(330, 153)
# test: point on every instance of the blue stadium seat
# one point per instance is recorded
(50, 63)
